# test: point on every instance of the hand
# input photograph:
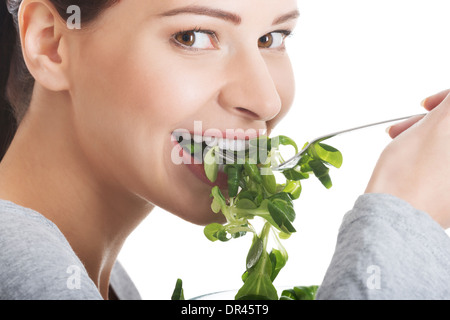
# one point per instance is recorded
(415, 166)
(429, 104)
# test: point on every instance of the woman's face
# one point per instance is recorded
(147, 69)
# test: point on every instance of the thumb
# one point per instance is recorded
(398, 128)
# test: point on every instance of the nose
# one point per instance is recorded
(249, 89)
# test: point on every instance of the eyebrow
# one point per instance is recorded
(205, 11)
(286, 17)
(224, 15)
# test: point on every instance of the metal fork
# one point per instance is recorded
(292, 162)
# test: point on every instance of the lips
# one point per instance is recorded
(197, 168)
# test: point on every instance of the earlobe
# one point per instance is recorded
(40, 32)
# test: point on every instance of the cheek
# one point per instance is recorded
(137, 91)
(125, 111)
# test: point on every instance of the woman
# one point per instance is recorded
(93, 111)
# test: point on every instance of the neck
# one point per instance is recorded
(45, 170)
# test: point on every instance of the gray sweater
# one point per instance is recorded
(385, 249)
(37, 262)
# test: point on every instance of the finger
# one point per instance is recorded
(433, 101)
(398, 128)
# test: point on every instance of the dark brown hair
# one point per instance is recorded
(16, 82)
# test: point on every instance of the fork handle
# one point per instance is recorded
(295, 159)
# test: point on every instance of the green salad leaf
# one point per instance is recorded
(178, 293)
(255, 191)
(299, 293)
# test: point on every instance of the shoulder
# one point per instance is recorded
(36, 260)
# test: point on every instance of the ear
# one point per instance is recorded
(41, 32)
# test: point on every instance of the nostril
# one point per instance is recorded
(247, 112)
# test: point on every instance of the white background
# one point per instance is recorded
(356, 62)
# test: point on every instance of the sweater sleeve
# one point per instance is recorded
(387, 249)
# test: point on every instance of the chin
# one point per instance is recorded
(199, 210)
(201, 214)
(203, 217)
(191, 199)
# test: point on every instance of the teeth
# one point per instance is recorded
(232, 145)
(198, 138)
(211, 141)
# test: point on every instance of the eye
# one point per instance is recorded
(196, 39)
(273, 40)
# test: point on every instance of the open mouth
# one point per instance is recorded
(232, 147)
(229, 150)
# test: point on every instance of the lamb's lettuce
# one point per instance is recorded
(254, 191)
